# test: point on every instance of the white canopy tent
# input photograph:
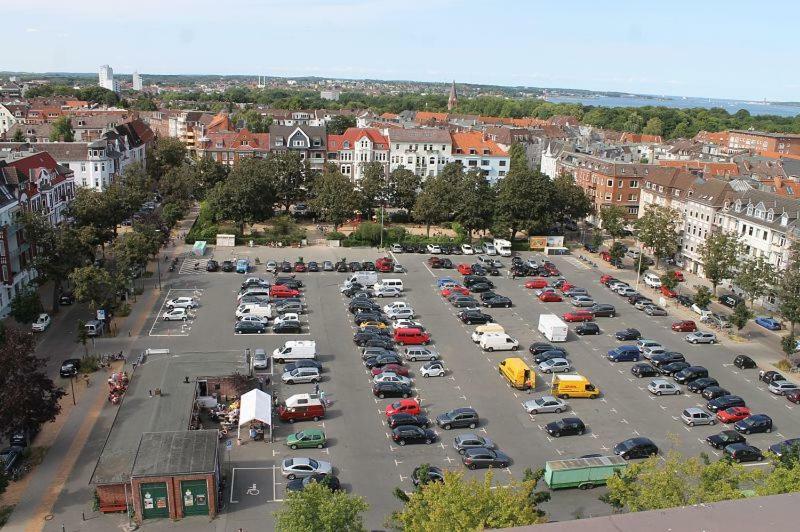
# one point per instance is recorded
(255, 405)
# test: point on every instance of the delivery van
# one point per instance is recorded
(262, 310)
(518, 374)
(480, 330)
(573, 385)
(390, 283)
(295, 350)
(301, 407)
(498, 342)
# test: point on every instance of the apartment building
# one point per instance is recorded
(309, 141)
(704, 199)
(423, 151)
(355, 148)
(229, 147)
(763, 143)
(475, 151)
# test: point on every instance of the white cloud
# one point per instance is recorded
(31, 30)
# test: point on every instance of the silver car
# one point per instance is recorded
(463, 442)
(582, 301)
(545, 405)
(555, 365)
(386, 291)
(783, 387)
(260, 360)
(663, 387)
(420, 352)
(654, 310)
(699, 337)
(697, 416)
(300, 375)
(272, 266)
(327, 266)
(293, 468)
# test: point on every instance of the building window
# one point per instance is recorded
(608, 196)
(632, 197)
(502, 163)
(484, 162)
(634, 183)
(501, 173)
(610, 183)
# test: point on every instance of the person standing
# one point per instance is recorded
(316, 388)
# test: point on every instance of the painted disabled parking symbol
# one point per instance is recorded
(252, 490)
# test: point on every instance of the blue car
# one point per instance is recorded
(444, 280)
(624, 353)
(769, 323)
(242, 266)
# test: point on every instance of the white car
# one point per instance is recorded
(182, 302)
(293, 468)
(42, 322)
(405, 313)
(396, 248)
(289, 316)
(555, 365)
(699, 337)
(405, 324)
(616, 285)
(783, 387)
(398, 268)
(434, 248)
(466, 249)
(272, 266)
(256, 319)
(433, 369)
(386, 291)
(389, 376)
(663, 387)
(704, 313)
(175, 314)
(396, 305)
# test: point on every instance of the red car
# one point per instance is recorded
(733, 414)
(550, 297)
(458, 289)
(578, 315)
(391, 368)
(667, 292)
(678, 275)
(536, 283)
(464, 269)
(684, 326)
(566, 286)
(300, 266)
(605, 278)
(384, 265)
(403, 406)
(279, 291)
(551, 268)
(435, 262)
(794, 397)
(606, 256)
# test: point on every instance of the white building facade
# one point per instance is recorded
(423, 151)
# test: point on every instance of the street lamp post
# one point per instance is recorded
(158, 262)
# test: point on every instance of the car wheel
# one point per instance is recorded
(515, 348)
(428, 441)
(401, 442)
(293, 447)
(769, 429)
(490, 349)
(446, 427)
(413, 359)
(472, 425)
(292, 420)
(557, 434)
(658, 392)
(611, 315)
(508, 306)
(558, 410)
(290, 476)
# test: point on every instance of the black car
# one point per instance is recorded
(725, 438)
(313, 266)
(698, 385)
(228, 266)
(712, 392)
(370, 315)
(541, 347)
(382, 360)
(603, 310)
(249, 327)
(288, 327)
(69, 368)
(255, 282)
(643, 369)
(477, 288)
(669, 357)
(471, 317)
(470, 280)
(770, 376)
(66, 298)
(498, 301)
(354, 266)
(299, 484)
(488, 295)
(673, 368)
(690, 374)
(481, 457)
(464, 302)
(368, 266)
(591, 248)
(636, 448)
(792, 445)
(588, 327)
(408, 419)
(446, 263)
(212, 265)
(478, 269)
(289, 282)
(412, 434)
(538, 358)
(458, 418)
(353, 289)
(391, 389)
(730, 300)
(379, 341)
(434, 474)
(686, 301)
(363, 305)
(628, 334)
(302, 363)
(742, 452)
(637, 297)
(371, 352)
(754, 424)
(726, 401)
(286, 267)
(341, 267)
(568, 426)
(493, 271)
(744, 362)
(376, 331)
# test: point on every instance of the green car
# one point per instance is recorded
(306, 439)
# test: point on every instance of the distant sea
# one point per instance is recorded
(680, 102)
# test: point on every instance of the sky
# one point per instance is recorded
(709, 48)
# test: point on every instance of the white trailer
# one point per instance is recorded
(502, 246)
(553, 328)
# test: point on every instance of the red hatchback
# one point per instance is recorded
(464, 269)
(280, 291)
(391, 368)
(566, 286)
(384, 265)
(793, 397)
(667, 292)
(578, 315)
(733, 414)
(300, 266)
(458, 289)
(536, 283)
(684, 326)
(403, 406)
(550, 297)
(605, 278)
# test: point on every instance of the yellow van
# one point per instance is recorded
(480, 330)
(518, 374)
(572, 385)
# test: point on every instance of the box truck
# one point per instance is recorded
(583, 473)
(553, 328)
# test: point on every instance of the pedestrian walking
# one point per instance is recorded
(316, 388)
(323, 398)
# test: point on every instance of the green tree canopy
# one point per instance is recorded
(403, 188)
(658, 229)
(316, 508)
(612, 219)
(755, 277)
(291, 176)
(339, 124)
(475, 206)
(61, 130)
(720, 256)
(655, 126)
(373, 188)
(246, 196)
(26, 305)
(569, 200)
(789, 284)
(335, 198)
(524, 200)
(94, 286)
(434, 204)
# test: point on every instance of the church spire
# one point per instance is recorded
(452, 101)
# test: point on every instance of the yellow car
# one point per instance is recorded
(376, 324)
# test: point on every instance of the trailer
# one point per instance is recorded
(553, 328)
(583, 473)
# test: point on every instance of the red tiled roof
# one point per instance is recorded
(475, 139)
(37, 160)
(426, 116)
(708, 168)
(354, 134)
(234, 140)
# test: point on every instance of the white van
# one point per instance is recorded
(480, 330)
(295, 350)
(390, 283)
(255, 309)
(633, 253)
(498, 342)
(652, 280)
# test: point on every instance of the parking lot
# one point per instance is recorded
(177, 325)
(359, 444)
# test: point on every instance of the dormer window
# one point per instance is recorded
(784, 219)
(346, 145)
(473, 151)
(487, 151)
(245, 142)
(770, 215)
(279, 141)
(749, 210)
(738, 207)
(759, 214)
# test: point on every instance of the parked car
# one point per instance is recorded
(667, 357)
(730, 300)
(698, 385)
(69, 368)
(624, 353)
(744, 362)
(458, 418)
(555, 365)
(587, 328)
(293, 468)
(654, 310)
(577, 315)
(638, 447)
(481, 457)
(407, 406)
(769, 323)
(733, 414)
(545, 404)
(712, 392)
(695, 416)
(434, 474)
(628, 334)
(663, 387)
(644, 370)
(770, 376)
(568, 426)
(405, 434)
(726, 401)
(783, 387)
(177, 314)
(742, 452)
(684, 326)
(498, 301)
(541, 347)
(306, 439)
(299, 484)
(434, 368)
(41, 323)
(699, 337)
(391, 389)
(754, 424)
(786, 446)
(471, 317)
(182, 302)
(725, 438)
(247, 327)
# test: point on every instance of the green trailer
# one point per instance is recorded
(584, 473)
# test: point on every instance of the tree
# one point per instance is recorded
(94, 285)
(26, 305)
(741, 315)
(475, 207)
(433, 204)
(28, 398)
(316, 508)
(720, 256)
(468, 505)
(82, 337)
(657, 229)
(246, 196)
(655, 126)
(669, 280)
(569, 200)
(702, 297)
(789, 344)
(403, 188)
(180, 184)
(612, 221)
(208, 173)
(169, 153)
(789, 285)
(61, 130)
(339, 124)
(616, 252)
(519, 159)
(523, 201)
(132, 250)
(290, 176)
(18, 136)
(754, 277)
(335, 198)
(372, 188)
